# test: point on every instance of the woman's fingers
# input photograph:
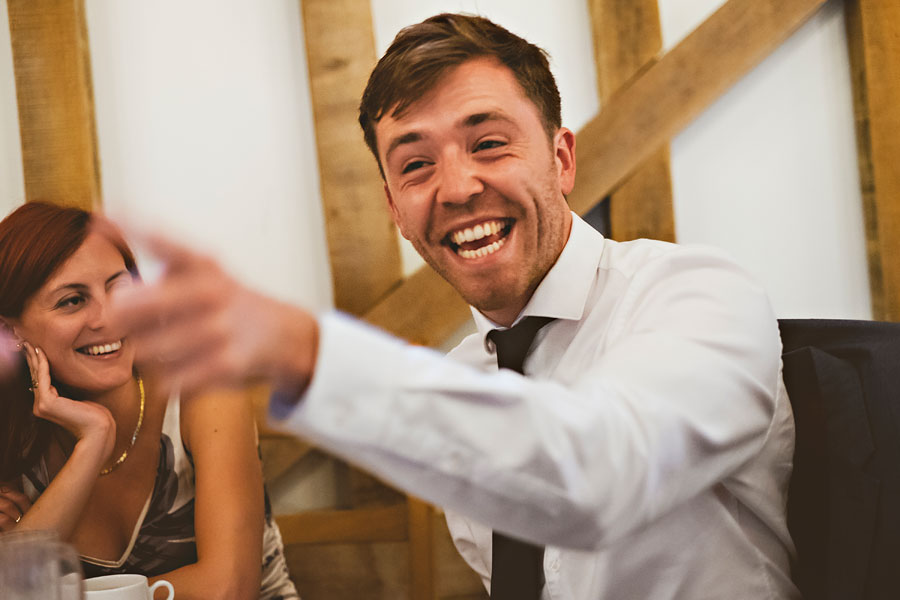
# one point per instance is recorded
(17, 498)
(43, 370)
(13, 505)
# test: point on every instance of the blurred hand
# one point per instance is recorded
(13, 506)
(8, 352)
(84, 420)
(196, 326)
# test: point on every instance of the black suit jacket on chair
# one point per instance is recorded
(843, 378)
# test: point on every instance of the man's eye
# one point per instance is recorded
(488, 145)
(412, 166)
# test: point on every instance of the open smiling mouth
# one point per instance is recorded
(101, 349)
(481, 240)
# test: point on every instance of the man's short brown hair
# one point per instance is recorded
(421, 53)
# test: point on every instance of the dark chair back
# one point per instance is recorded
(843, 378)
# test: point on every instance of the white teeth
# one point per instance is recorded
(103, 348)
(471, 234)
(483, 251)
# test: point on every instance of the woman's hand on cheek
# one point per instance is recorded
(87, 421)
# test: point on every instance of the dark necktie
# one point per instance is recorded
(518, 567)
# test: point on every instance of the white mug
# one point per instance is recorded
(127, 586)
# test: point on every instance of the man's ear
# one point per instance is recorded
(395, 214)
(564, 145)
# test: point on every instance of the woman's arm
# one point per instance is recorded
(61, 504)
(219, 431)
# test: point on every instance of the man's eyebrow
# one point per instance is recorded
(406, 138)
(479, 118)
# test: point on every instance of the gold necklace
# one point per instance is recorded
(134, 436)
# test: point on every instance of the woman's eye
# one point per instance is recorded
(488, 145)
(412, 166)
(70, 301)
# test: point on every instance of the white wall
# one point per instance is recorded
(205, 128)
(769, 172)
(12, 184)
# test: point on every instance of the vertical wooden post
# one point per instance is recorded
(52, 66)
(421, 550)
(627, 37)
(873, 33)
(362, 240)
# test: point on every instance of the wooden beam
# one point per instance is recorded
(383, 524)
(423, 310)
(362, 240)
(648, 112)
(422, 583)
(873, 33)
(627, 37)
(52, 66)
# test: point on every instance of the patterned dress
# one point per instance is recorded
(163, 538)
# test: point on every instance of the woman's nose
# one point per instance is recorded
(97, 313)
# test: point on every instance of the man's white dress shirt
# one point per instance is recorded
(649, 446)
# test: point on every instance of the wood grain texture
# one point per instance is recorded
(421, 550)
(378, 570)
(51, 61)
(381, 524)
(646, 113)
(423, 310)
(873, 33)
(627, 38)
(362, 240)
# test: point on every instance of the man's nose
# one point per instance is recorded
(460, 179)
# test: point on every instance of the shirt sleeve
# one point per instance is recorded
(680, 394)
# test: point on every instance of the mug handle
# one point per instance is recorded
(163, 583)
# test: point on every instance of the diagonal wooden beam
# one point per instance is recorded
(873, 33)
(423, 310)
(627, 37)
(51, 62)
(671, 93)
(643, 116)
(362, 240)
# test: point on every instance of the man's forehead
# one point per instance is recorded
(471, 93)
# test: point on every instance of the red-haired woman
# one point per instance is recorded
(138, 480)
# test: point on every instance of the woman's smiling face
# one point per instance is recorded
(67, 319)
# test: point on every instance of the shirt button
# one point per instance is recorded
(554, 565)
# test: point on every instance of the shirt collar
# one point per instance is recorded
(564, 292)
